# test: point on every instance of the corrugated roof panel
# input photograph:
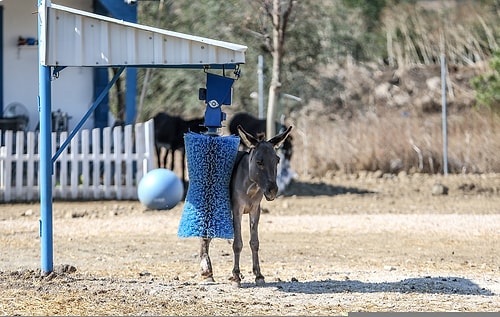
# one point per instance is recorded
(144, 49)
(130, 48)
(90, 57)
(79, 38)
(170, 48)
(104, 44)
(158, 49)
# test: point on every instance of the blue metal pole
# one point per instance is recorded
(45, 184)
(45, 170)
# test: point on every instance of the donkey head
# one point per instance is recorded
(263, 161)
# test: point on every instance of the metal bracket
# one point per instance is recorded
(217, 93)
(57, 69)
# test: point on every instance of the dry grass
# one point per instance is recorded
(395, 142)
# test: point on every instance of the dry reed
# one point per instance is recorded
(396, 142)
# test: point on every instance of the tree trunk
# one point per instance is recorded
(274, 92)
(148, 74)
(280, 17)
(120, 98)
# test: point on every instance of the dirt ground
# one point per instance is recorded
(341, 244)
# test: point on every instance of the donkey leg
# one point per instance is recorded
(254, 246)
(158, 156)
(172, 161)
(205, 263)
(184, 182)
(165, 157)
(237, 247)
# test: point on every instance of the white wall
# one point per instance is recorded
(72, 92)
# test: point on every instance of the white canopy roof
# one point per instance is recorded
(80, 38)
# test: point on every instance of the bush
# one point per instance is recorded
(487, 86)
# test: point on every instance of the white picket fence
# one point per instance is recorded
(85, 170)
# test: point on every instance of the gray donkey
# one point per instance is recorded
(253, 177)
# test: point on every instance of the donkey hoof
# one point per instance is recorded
(235, 281)
(259, 281)
(209, 279)
(236, 284)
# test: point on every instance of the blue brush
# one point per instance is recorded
(207, 207)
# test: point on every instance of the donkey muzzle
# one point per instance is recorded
(271, 192)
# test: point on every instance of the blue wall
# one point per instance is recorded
(117, 9)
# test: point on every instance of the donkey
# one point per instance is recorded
(169, 133)
(257, 127)
(253, 177)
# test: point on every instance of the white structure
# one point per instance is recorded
(72, 93)
(78, 38)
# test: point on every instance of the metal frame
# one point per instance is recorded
(46, 75)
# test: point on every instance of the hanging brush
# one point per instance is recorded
(210, 159)
(207, 207)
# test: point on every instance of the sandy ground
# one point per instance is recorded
(328, 247)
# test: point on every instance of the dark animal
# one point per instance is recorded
(257, 127)
(253, 177)
(169, 133)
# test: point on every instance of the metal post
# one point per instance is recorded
(44, 107)
(45, 170)
(443, 102)
(260, 75)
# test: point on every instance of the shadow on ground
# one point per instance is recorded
(425, 285)
(296, 188)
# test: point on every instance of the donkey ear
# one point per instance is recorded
(278, 139)
(248, 139)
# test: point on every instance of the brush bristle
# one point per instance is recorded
(207, 207)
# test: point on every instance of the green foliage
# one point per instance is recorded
(176, 90)
(487, 86)
(370, 9)
(318, 33)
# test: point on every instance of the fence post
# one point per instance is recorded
(85, 159)
(96, 163)
(31, 158)
(8, 164)
(130, 156)
(117, 158)
(18, 157)
(106, 151)
(443, 102)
